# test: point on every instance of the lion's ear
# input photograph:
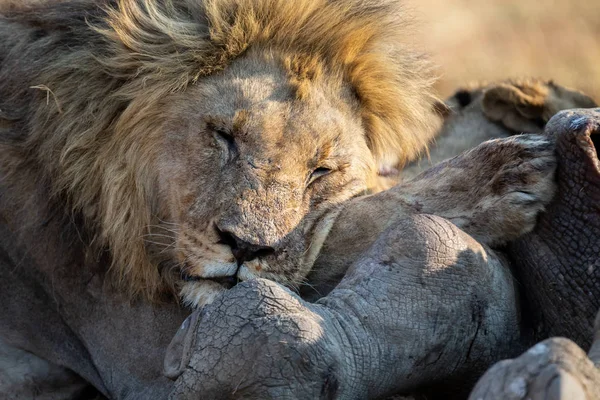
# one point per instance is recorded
(526, 105)
(520, 108)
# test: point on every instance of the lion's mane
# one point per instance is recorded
(80, 81)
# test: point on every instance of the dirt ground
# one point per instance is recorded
(486, 40)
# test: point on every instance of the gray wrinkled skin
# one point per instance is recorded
(422, 304)
(566, 241)
(429, 275)
(566, 296)
(69, 317)
(554, 369)
(425, 302)
(420, 307)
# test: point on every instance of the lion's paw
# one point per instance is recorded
(514, 184)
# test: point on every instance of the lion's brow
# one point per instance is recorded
(240, 119)
(324, 152)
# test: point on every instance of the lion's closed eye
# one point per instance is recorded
(225, 140)
(319, 173)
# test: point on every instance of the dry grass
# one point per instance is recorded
(494, 39)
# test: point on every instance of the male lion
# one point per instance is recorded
(190, 144)
(183, 144)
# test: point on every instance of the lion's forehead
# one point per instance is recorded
(264, 112)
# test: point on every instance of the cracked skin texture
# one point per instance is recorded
(555, 369)
(316, 337)
(423, 304)
(300, 350)
(559, 261)
(103, 348)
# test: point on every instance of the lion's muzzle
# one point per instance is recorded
(243, 250)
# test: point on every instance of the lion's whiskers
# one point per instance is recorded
(172, 265)
(304, 282)
(157, 235)
(165, 222)
(165, 246)
(175, 231)
(161, 244)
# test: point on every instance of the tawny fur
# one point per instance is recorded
(481, 111)
(80, 81)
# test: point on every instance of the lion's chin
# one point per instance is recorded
(198, 294)
(203, 290)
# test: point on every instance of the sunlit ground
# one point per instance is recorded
(486, 40)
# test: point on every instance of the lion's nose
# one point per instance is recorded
(242, 250)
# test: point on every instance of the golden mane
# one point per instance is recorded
(89, 102)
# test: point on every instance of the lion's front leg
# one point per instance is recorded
(494, 192)
(424, 305)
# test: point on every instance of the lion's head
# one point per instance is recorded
(247, 170)
(210, 139)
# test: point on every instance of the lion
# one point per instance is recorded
(178, 146)
(129, 360)
(193, 144)
(482, 111)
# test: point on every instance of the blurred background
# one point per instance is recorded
(493, 39)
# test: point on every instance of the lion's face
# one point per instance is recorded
(210, 138)
(247, 172)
